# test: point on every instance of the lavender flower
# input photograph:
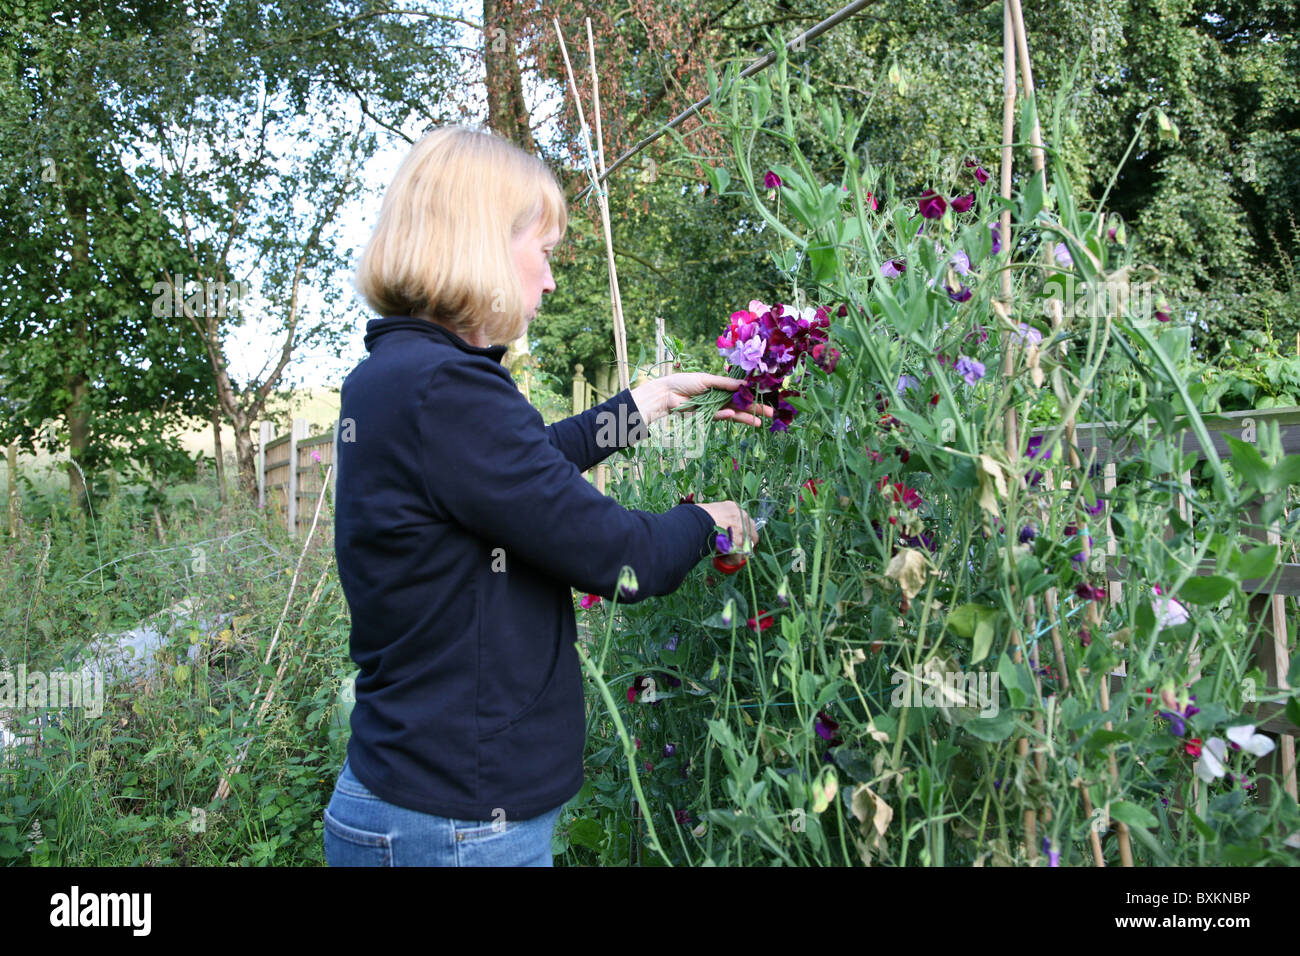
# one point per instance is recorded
(969, 369)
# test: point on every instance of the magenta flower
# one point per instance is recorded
(962, 203)
(589, 601)
(771, 180)
(1062, 254)
(932, 205)
(871, 201)
(981, 176)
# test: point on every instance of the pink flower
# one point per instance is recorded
(589, 600)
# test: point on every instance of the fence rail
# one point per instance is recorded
(291, 473)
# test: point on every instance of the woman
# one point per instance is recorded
(462, 522)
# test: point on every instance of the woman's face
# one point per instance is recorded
(532, 255)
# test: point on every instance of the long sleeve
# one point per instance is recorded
(491, 466)
(589, 437)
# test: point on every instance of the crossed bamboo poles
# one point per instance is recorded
(1016, 48)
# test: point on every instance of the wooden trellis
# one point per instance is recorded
(1272, 652)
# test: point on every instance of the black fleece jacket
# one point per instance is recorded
(462, 522)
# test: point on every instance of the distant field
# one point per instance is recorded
(319, 406)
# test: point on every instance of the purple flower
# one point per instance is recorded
(962, 203)
(722, 542)
(1053, 856)
(893, 268)
(981, 176)
(1028, 334)
(748, 353)
(1062, 254)
(1035, 449)
(1098, 508)
(961, 263)
(969, 369)
(771, 180)
(670, 749)
(959, 295)
(997, 239)
(826, 728)
(1027, 534)
(932, 205)
(907, 381)
(671, 644)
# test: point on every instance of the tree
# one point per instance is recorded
(81, 348)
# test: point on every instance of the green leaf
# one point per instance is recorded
(1258, 562)
(1103, 738)
(1202, 827)
(1249, 463)
(1208, 590)
(983, 642)
(991, 729)
(1133, 815)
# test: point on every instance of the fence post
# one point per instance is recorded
(264, 435)
(579, 390)
(334, 475)
(297, 431)
(13, 489)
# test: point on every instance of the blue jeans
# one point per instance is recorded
(363, 830)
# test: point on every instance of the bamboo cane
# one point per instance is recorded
(223, 788)
(1037, 159)
(603, 203)
(615, 295)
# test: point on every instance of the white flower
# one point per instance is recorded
(1245, 737)
(1213, 757)
(1169, 613)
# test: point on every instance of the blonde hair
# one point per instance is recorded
(441, 247)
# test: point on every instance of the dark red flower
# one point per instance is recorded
(962, 203)
(687, 500)
(761, 623)
(1089, 592)
(720, 562)
(932, 205)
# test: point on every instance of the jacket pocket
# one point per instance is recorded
(547, 686)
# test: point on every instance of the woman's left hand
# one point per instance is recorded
(658, 397)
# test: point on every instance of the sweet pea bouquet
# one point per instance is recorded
(764, 345)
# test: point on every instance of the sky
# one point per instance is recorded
(248, 348)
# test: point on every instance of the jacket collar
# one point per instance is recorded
(376, 328)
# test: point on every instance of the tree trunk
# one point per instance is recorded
(507, 111)
(221, 463)
(75, 412)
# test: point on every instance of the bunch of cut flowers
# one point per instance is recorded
(765, 345)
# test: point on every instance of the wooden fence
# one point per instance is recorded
(1273, 650)
(290, 476)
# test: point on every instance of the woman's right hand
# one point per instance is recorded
(739, 525)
